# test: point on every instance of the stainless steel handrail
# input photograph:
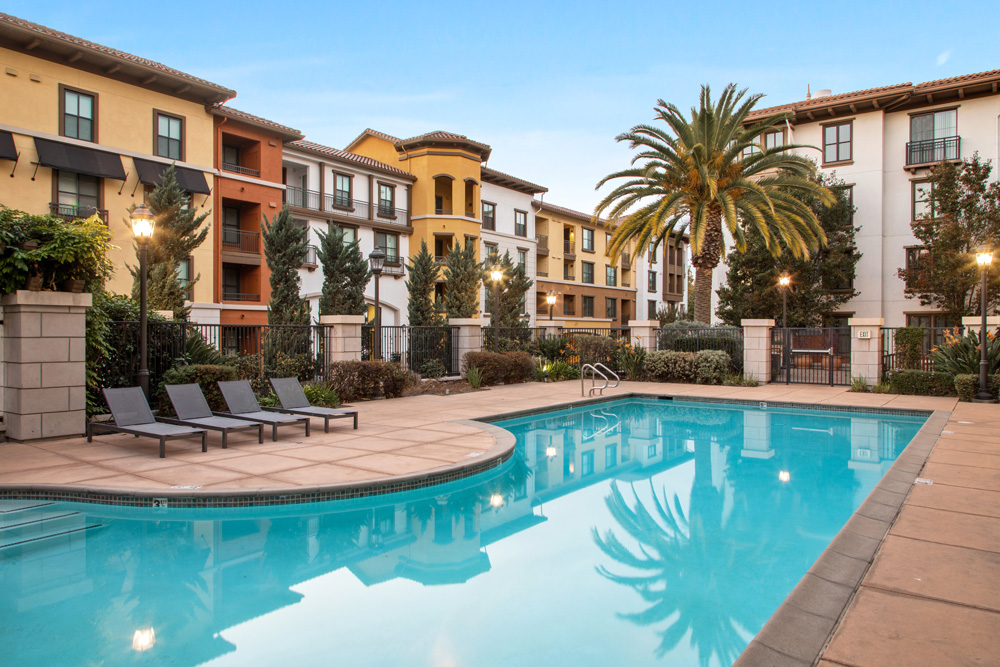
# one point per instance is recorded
(594, 372)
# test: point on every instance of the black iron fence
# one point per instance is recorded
(503, 339)
(613, 333)
(811, 355)
(727, 339)
(412, 346)
(893, 360)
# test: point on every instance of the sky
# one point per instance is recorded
(548, 85)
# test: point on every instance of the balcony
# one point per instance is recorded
(393, 266)
(442, 211)
(543, 244)
(932, 151)
(569, 249)
(237, 240)
(569, 275)
(626, 262)
(489, 223)
(301, 198)
(228, 295)
(311, 260)
(246, 171)
(70, 213)
(340, 205)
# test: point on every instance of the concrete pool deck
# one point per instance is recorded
(924, 559)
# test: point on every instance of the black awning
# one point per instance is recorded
(191, 180)
(78, 159)
(7, 149)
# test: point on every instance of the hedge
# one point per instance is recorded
(365, 380)
(967, 386)
(705, 367)
(507, 367)
(205, 376)
(921, 383)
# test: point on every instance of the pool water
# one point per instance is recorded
(630, 532)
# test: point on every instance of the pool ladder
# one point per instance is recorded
(595, 371)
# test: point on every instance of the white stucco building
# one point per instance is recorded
(882, 143)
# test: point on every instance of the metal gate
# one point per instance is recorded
(412, 346)
(811, 355)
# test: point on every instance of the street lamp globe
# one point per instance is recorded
(785, 280)
(984, 258)
(376, 259)
(550, 298)
(496, 274)
(143, 223)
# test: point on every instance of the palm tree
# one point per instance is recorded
(713, 167)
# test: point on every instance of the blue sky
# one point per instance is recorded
(547, 85)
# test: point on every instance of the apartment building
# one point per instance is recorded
(92, 130)
(882, 143)
(368, 201)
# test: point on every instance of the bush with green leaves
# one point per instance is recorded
(967, 386)
(474, 377)
(557, 371)
(726, 339)
(508, 367)
(962, 354)
(205, 376)
(365, 380)
(591, 349)
(909, 345)
(631, 361)
(553, 347)
(433, 369)
(913, 382)
(710, 366)
(739, 380)
(859, 385)
(321, 394)
(705, 367)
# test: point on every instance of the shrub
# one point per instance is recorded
(474, 377)
(881, 387)
(730, 344)
(560, 370)
(670, 366)
(553, 347)
(432, 368)
(595, 349)
(967, 385)
(922, 383)
(739, 380)
(962, 354)
(859, 385)
(321, 394)
(206, 376)
(631, 361)
(710, 366)
(249, 367)
(909, 347)
(365, 380)
(509, 367)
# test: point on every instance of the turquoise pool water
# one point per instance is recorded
(632, 532)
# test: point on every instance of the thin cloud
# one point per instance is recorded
(943, 57)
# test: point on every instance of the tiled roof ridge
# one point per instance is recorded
(79, 41)
(345, 155)
(962, 77)
(488, 171)
(539, 204)
(237, 113)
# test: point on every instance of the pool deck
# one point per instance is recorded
(917, 569)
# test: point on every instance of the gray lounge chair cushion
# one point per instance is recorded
(218, 423)
(129, 407)
(290, 393)
(188, 401)
(239, 397)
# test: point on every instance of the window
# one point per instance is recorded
(230, 283)
(611, 308)
(569, 305)
(610, 456)
(774, 139)
(651, 450)
(184, 272)
(489, 216)
(651, 310)
(586, 464)
(169, 136)
(914, 254)
(342, 190)
(837, 142)
(491, 251)
(390, 244)
(230, 226)
(934, 325)
(386, 199)
(923, 200)
(79, 114)
(588, 306)
(651, 286)
(587, 273)
(933, 137)
(522, 259)
(568, 271)
(611, 276)
(77, 195)
(230, 156)
(588, 240)
(350, 233)
(652, 252)
(520, 223)
(607, 239)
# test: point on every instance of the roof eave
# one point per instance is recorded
(286, 134)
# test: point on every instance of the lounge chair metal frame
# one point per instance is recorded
(243, 404)
(294, 402)
(193, 410)
(132, 415)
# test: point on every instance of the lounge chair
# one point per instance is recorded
(192, 410)
(293, 401)
(132, 415)
(243, 405)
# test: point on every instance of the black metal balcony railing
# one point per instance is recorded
(569, 247)
(442, 211)
(228, 295)
(930, 151)
(240, 241)
(311, 258)
(543, 243)
(626, 262)
(241, 170)
(69, 212)
(569, 275)
(489, 223)
(334, 203)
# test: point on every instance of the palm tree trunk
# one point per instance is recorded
(703, 294)
(705, 263)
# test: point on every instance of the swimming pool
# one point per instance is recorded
(624, 532)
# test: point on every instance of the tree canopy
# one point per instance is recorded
(718, 166)
(285, 245)
(345, 275)
(462, 275)
(423, 274)
(514, 286)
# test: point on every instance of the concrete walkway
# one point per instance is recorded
(930, 595)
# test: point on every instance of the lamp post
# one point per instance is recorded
(376, 259)
(784, 281)
(497, 275)
(984, 258)
(143, 224)
(550, 299)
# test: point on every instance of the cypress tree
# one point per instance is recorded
(421, 309)
(514, 287)
(285, 245)
(178, 232)
(462, 275)
(345, 275)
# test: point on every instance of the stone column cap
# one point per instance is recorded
(757, 323)
(465, 321)
(341, 319)
(652, 324)
(865, 321)
(970, 321)
(57, 299)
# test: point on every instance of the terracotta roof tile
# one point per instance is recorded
(497, 178)
(360, 160)
(992, 74)
(539, 204)
(827, 99)
(236, 114)
(107, 50)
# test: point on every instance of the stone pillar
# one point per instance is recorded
(343, 337)
(866, 343)
(44, 364)
(975, 322)
(644, 333)
(550, 329)
(757, 349)
(470, 336)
